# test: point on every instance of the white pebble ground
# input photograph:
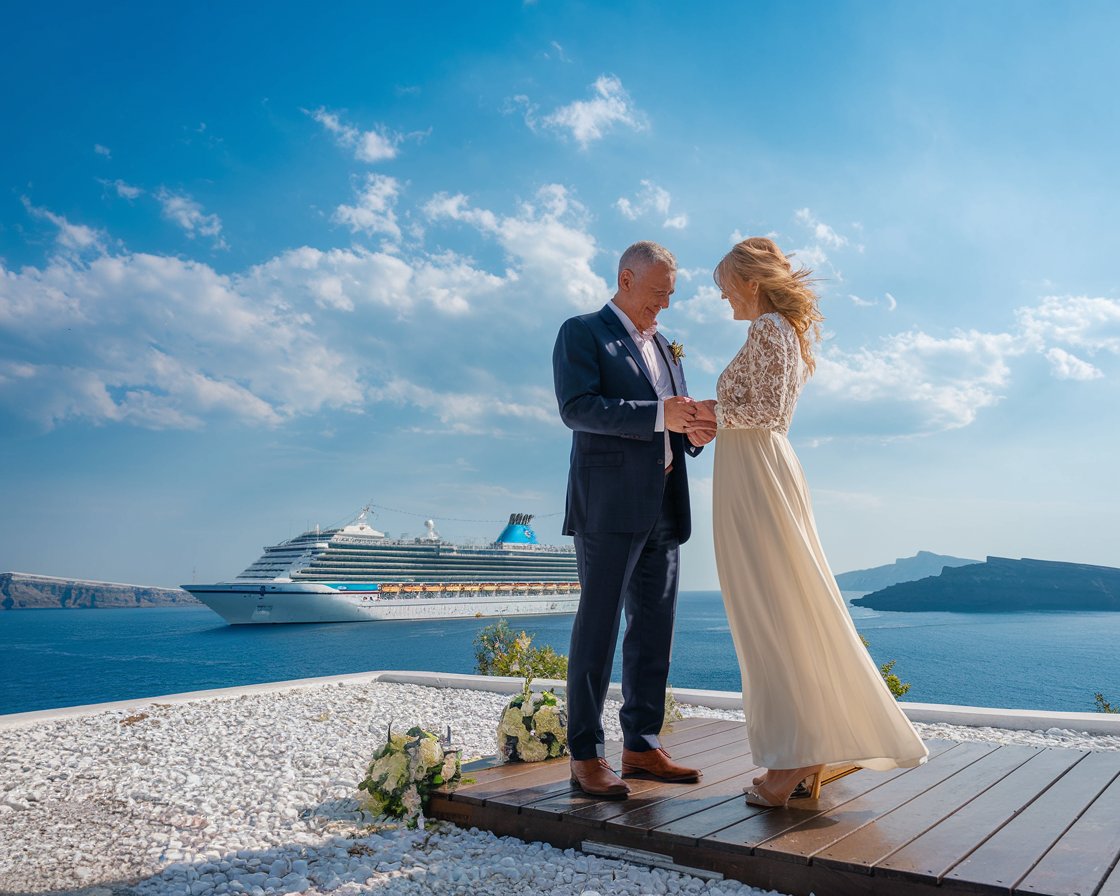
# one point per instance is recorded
(258, 794)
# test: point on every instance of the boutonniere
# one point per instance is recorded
(678, 351)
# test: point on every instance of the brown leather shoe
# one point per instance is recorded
(657, 764)
(596, 778)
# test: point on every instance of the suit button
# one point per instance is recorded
(661, 461)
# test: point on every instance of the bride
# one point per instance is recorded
(811, 693)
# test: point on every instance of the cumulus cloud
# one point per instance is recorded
(159, 342)
(103, 150)
(125, 191)
(920, 383)
(75, 237)
(821, 231)
(378, 145)
(348, 279)
(1070, 367)
(610, 106)
(182, 210)
(1086, 323)
(374, 210)
(468, 413)
(651, 200)
(547, 241)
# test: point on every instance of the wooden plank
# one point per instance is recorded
(935, 852)
(706, 822)
(520, 791)
(1081, 860)
(716, 764)
(722, 781)
(561, 802)
(646, 795)
(1111, 884)
(802, 830)
(1009, 854)
(870, 844)
(683, 731)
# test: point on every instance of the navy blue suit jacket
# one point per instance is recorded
(617, 479)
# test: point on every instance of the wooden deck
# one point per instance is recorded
(977, 818)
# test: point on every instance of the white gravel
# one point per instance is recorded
(258, 794)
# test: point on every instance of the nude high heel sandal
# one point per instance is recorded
(761, 795)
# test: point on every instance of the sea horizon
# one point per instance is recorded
(1046, 661)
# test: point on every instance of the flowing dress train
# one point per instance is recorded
(811, 692)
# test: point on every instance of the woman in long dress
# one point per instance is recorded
(811, 692)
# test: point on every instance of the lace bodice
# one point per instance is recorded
(759, 388)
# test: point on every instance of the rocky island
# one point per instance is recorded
(1002, 585)
(904, 569)
(24, 591)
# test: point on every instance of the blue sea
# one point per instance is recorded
(52, 658)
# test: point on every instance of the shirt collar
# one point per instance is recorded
(639, 336)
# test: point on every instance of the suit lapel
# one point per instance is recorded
(673, 366)
(610, 319)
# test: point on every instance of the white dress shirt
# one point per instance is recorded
(658, 368)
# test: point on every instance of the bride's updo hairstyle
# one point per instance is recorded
(789, 291)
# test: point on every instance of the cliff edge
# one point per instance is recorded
(25, 591)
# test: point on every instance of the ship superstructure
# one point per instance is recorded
(357, 574)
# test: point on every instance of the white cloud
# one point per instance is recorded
(651, 200)
(547, 240)
(821, 231)
(77, 237)
(916, 383)
(590, 120)
(861, 303)
(377, 145)
(705, 306)
(471, 413)
(180, 209)
(1069, 367)
(123, 190)
(160, 342)
(892, 302)
(349, 279)
(102, 150)
(374, 210)
(1090, 324)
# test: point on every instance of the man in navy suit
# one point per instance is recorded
(621, 390)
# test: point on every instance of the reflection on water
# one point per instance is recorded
(64, 657)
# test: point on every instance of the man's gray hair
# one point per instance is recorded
(642, 254)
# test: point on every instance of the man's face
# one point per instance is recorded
(643, 293)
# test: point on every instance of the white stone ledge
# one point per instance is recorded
(1094, 723)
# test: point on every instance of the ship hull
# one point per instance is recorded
(303, 603)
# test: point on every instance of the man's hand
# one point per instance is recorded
(679, 412)
(702, 428)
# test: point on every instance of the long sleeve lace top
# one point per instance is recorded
(759, 388)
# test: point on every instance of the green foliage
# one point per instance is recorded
(896, 686)
(673, 712)
(1103, 705)
(498, 651)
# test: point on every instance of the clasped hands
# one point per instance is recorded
(696, 419)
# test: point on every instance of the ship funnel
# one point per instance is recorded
(518, 530)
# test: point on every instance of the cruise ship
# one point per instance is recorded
(356, 574)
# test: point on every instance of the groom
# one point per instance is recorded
(621, 389)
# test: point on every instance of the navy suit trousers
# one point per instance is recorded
(636, 572)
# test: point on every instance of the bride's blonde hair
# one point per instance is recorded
(759, 259)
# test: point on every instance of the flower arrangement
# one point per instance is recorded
(406, 770)
(678, 351)
(532, 727)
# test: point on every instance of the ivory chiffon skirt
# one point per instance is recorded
(811, 692)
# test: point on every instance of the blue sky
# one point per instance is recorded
(261, 265)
